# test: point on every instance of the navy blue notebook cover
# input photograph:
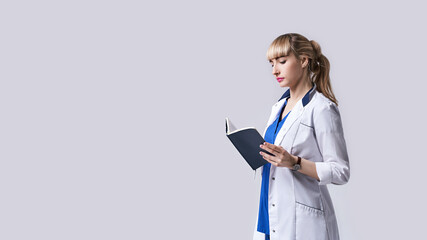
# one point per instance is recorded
(246, 141)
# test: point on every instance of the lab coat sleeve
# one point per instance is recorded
(335, 167)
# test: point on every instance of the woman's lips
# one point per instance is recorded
(279, 79)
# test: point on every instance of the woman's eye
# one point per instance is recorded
(283, 62)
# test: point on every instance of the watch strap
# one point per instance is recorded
(297, 166)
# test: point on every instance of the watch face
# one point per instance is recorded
(297, 167)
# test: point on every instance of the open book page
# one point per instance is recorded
(230, 128)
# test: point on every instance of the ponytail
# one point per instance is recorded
(319, 66)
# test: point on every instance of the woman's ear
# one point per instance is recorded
(304, 61)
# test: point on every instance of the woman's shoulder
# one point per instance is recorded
(321, 100)
(323, 107)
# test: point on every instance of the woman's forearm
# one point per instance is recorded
(307, 167)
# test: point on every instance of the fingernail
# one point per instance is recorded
(260, 153)
(260, 146)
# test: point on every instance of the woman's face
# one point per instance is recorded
(288, 70)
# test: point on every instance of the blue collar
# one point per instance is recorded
(305, 100)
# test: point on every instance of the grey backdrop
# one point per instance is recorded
(112, 115)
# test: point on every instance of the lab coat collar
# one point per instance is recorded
(294, 113)
(307, 97)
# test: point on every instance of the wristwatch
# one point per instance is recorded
(297, 165)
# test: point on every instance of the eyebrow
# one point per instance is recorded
(278, 58)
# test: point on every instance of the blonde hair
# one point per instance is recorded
(318, 64)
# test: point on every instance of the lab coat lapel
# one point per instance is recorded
(290, 120)
(275, 111)
(293, 116)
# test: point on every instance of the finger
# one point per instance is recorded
(272, 148)
(279, 149)
(269, 158)
(267, 150)
(272, 162)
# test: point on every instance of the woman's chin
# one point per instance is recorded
(283, 84)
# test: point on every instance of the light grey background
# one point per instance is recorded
(112, 115)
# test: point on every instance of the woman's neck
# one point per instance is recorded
(298, 91)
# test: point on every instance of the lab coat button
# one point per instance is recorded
(273, 178)
(273, 205)
(274, 230)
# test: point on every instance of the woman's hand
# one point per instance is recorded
(281, 157)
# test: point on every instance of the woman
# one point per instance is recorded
(305, 135)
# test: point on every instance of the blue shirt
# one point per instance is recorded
(270, 137)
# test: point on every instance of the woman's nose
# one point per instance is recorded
(275, 70)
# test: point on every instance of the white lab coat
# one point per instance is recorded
(300, 207)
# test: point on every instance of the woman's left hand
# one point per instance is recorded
(281, 157)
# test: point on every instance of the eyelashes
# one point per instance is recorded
(283, 62)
